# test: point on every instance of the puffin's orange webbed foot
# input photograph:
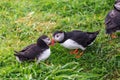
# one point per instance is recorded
(113, 36)
(78, 56)
(74, 52)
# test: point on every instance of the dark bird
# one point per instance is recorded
(75, 40)
(39, 51)
(112, 20)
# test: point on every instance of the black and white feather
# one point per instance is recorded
(39, 50)
(75, 39)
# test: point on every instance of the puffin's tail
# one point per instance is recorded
(19, 54)
(97, 32)
(16, 52)
(92, 36)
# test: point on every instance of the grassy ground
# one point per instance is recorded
(23, 21)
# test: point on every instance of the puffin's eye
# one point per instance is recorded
(57, 35)
(48, 39)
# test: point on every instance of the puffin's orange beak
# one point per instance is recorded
(52, 42)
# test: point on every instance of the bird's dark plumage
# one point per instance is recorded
(112, 20)
(82, 38)
(43, 37)
(32, 51)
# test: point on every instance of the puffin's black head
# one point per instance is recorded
(117, 5)
(116, 1)
(58, 36)
(44, 38)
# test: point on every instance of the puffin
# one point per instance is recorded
(75, 40)
(38, 51)
(112, 20)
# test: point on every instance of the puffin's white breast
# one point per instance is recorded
(44, 55)
(70, 44)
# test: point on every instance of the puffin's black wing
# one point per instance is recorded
(83, 38)
(108, 18)
(117, 19)
(29, 46)
(112, 21)
(30, 53)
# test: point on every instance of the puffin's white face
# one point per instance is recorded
(59, 37)
(47, 41)
(117, 5)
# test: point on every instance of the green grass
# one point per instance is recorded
(23, 21)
